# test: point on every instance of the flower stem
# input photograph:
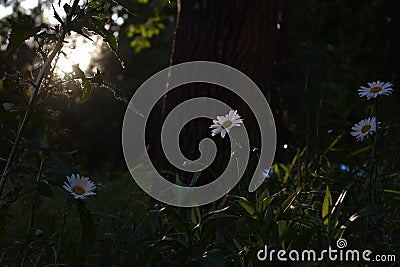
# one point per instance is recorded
(374, 151)
(38, 177)
(65, 215)
(373, 167)
(305, 184)
(370, 171)
(372, 190)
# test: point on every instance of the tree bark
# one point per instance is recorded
(232, 32)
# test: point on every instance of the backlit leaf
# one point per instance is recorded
(86, 90)
(21, 30)
(326, 206)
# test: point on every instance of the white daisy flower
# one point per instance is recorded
(223, 124)
(79, 187)
(364, 128)
(375, 89)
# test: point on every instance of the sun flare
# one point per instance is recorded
(78, 51)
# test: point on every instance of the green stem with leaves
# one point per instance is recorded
(35, 91)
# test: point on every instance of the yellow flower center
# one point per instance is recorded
(78, 190)
(365, 128)
(375, 89)
(226, 124)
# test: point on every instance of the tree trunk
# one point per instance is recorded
(232, 32)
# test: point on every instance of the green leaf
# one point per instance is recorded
(88, 227)
(8, 83)
(286, 205)
(86, 85)
(67, 8)
(288, 202)
(195, 177)
(45, 189)
(86, 90)
(237, 245)
(337, 209)
(154, 220)
(78, 73)
(333, 144)
(212, 257)
(360, 151)
(287, 234)
(305, 220)
(326, 206)
(97, 26)
(367, 211)
(174, 217)
(139, 43)
(392, 191)
(373, 210)
(21, 30)
(178, 181)
(195, 215)
(246, 205)
(97, 78)
(58, 18)
(177, 240)
(265, 203)
(218, 214)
